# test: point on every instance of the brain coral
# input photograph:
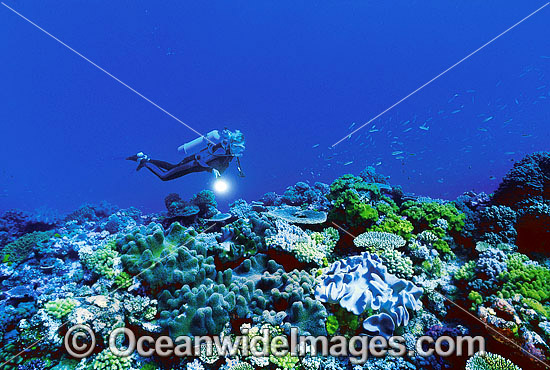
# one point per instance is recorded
(362, 283)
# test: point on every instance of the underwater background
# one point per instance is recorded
(289, 75)
(431, 220)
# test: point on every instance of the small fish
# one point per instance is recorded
(348, 163)
(425, 128)
(406, 122)
(378, 163)
(453, 98)
(488, 119)
(374, 130)
(482, 129)
(400, 157)
(440, 181)
(470, 91)
(541, 87)
(492, 178)
(526, 135)
(407, 130)
(510, 153)
(315, 146)
(545, 57)
(517, 102)
(507, 121)
(455, 111)
(397, 152)
(353, 124)
(498, 83)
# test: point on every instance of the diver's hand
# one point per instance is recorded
(141, 158)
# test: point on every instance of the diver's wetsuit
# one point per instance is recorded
(218, 150)
(204, 161)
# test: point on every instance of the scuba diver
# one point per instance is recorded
(210, 153)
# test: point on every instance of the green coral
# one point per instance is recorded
(435, 267)
(526, 278)
(397, 264)
(60, 307)
(350, 210)
(489, 361)
(317, 246)
(106, 360)
(426, 214)
(542, 310)
(123, 280)
(395, 224)
(18, 250)
(466, 272)
(332, 325)
(476, 299)
(101, 261)
(161, 260)
(443, 247)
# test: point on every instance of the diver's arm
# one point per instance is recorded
(241, 173)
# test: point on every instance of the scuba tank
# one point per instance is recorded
(195, 146)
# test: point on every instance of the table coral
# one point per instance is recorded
(377, 240)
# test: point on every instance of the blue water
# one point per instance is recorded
(289, 74)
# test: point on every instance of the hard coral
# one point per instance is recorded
(527, 182)
(489, 361)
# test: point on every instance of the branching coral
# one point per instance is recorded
(426, 214)
(60, 307)
(106, 360)
(308, 247)
(489, 361)
(377, 240)
(526, 278)
(101, 261)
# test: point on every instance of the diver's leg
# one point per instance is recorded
(162, 164)
(174, 173)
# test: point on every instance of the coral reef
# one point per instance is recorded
(356, 258)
